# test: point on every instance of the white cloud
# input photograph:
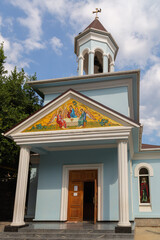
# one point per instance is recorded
(56, 45)
(150, 99)
(32, 21)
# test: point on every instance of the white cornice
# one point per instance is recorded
(84, 77)
(68, 148)
(94, 134)
(97, 37)
(146, 156)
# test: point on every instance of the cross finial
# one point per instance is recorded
(97, 11)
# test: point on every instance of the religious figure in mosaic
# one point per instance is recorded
(71, 112)
(144, 191)
(61, 122)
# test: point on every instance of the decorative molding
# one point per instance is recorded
(108, 133)
(143, 165)
(145, 208)
(146, 156)
(65, 182)
(68, 148)
(97, 37)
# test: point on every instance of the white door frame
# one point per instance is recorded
(65, 184)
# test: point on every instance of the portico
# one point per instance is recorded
(114, 140)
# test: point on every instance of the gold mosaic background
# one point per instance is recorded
(72, 115)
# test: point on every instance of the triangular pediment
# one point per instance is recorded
(71, 110)
(72, 115)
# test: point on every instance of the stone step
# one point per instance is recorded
(66, 236)
(25, 230)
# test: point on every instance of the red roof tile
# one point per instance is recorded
(145, 146)
(97, 25)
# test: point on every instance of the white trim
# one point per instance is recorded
(68, 148)
(146, 156)
(143, 165)
(86, 135)
(65, 182)
(145, 208)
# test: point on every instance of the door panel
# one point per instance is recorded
(76, 193)
(75, 206)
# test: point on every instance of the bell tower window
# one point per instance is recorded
(85, 63)
(98, 62)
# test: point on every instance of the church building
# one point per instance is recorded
(84, 145)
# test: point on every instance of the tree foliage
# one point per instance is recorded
(18, 101)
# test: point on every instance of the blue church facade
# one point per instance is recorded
(88, 123)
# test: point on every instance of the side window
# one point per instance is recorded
(144, 171)
(144, 186)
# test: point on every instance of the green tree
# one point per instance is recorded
(18, 101)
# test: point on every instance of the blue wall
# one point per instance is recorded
(50, 181)
(115, 98)
(154, 190)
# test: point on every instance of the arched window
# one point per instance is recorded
(85, 63)
(144, 186)
(109, 63)
(98, 62)
(144, 171)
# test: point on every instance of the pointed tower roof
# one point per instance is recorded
(95, 31)
(96, 24)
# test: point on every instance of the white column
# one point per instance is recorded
(80, 65)
(105, 63)
(112, 66)
(91, 62)
(123, 184)
(21, 188)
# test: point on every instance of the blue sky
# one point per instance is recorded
(38, 35)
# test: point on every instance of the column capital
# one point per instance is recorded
(105, 55)
(91, 51)
(80, 57)
(112, 64)
(122, 141)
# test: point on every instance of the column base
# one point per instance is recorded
(123, 229)
(10, 228)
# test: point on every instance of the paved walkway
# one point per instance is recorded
(147, 233)
(2, 224)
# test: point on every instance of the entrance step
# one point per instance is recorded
(67, 234)
(67, 231)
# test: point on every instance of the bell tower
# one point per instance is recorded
(95, 48)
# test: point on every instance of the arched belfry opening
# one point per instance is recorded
(85, 63)
(98, 62)
(109, 63)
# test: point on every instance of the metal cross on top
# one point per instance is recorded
(97, 11)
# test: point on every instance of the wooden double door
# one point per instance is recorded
(82, 195)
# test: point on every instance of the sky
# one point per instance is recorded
(38, 36)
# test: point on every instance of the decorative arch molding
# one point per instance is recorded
(110, 57)
(86, 50)
(98, 50)
(65, 183)
(143, 165)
